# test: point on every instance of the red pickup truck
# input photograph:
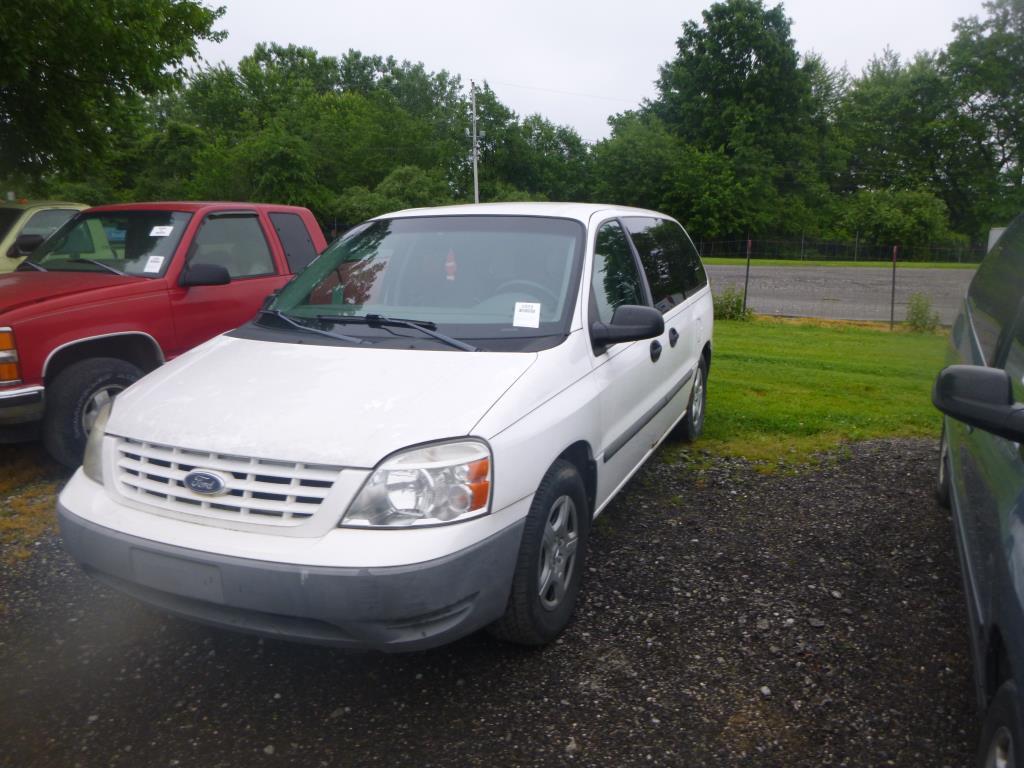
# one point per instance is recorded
(118, 290)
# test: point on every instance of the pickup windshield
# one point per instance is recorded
(136, 243)
(468, 277)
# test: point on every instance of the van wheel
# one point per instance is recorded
(75, 398)
(942, 474)
(1001, 736)
(690, 428)
(550, 564)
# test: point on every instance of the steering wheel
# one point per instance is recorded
(535, 289)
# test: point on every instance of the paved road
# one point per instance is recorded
(844, 293)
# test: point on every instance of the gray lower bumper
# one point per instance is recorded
(20, 412)
(391, 609)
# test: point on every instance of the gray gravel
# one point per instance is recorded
(729, 618)
(844, 293)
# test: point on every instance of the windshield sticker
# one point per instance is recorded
(527, 315)
(160, 232)
(153, 264)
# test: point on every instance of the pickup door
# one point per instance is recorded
(244, 244)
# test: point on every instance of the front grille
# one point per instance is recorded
(258, 491)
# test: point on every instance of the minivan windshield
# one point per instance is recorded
(137, 243)
(470, 277)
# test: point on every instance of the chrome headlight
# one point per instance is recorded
(428, 485)
(92, 462)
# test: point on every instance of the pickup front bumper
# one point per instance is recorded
(20, 411)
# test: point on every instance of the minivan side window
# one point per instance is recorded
(236, 242)
(670, 261)
(295, 239)
(995, 291)
(614, 280)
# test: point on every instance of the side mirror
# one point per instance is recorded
(630, 322)
(204, 274)
(24, 245)
(981, 397)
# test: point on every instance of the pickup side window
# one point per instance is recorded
(298, 245)
(670, 261)
(614, 280)
(235, 241)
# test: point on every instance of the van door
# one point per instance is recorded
(629, 375)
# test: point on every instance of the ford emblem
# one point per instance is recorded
(205, 482)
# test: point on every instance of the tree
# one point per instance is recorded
(67, 67)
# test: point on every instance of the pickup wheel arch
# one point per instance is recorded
(134, 347)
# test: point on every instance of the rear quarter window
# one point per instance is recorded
(671, 264)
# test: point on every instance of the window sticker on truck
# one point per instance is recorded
(153, 264)
(162, 231)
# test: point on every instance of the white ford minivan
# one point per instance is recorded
(411, 441)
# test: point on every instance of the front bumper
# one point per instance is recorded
(400, 608)
(20, 410)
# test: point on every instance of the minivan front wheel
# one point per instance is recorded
(1001, 736)
(690, 428)
(549, 568)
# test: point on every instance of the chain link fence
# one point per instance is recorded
(811, 249)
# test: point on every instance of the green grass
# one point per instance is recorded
(737, 262)
(784, 390)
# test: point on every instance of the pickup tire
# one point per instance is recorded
(75, 397)
(550, 564)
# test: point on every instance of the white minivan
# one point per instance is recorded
(411, 440)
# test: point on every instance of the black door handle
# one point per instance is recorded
(673, 337)
(655, 350)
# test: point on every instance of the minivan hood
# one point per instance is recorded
(18, 289)
(346, 406)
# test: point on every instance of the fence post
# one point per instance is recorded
(746, 279)
(892, 303)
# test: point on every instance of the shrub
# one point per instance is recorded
(729, 305)
(920, 317)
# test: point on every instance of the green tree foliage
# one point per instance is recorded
(67, 68)
(898, 217)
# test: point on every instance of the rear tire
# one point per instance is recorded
(549, 568)
(692, 425)
(75, 397)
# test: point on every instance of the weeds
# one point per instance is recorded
(729, 305)
(920, 316)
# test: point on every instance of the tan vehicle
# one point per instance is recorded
(33, 221)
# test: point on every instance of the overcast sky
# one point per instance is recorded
(574, 61)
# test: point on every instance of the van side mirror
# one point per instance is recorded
(204, 274)
(630, 322)
(982, 397)
(24, 245)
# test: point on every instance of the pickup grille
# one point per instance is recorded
(258, 491)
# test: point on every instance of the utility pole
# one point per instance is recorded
(476, 145)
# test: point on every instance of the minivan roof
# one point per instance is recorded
(582, 212)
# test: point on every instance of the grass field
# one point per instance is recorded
(736, 262)
(783, 390)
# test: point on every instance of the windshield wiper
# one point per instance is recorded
(32, 264)
(424, 326)
(282, 316)
(100, 264)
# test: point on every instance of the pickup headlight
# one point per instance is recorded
(428, 485)
(92, 462)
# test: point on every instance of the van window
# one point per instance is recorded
(670, 261)
(996, 291)
(615, 280)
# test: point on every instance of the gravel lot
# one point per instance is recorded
(729, 618)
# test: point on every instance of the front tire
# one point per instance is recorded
(549, 569)
(1001, 736)
(75, 398)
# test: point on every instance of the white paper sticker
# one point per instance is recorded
(160, 231)
(153, 264)
(527, 315)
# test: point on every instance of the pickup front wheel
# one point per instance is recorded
(75, 398)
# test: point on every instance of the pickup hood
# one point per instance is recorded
(348, 406)
(19, 289)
